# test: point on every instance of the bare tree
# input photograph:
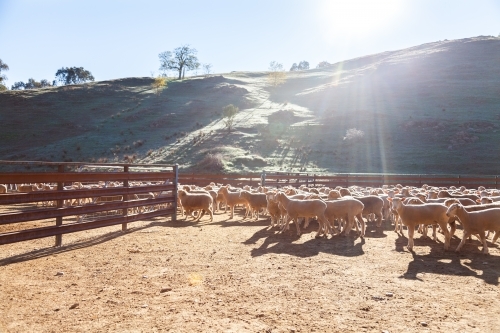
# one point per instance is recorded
(180, 59)
(207, 69)
(276, 74)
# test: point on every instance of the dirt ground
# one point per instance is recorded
(242, 276)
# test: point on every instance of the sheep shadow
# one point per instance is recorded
(448, 262)
(285, 243)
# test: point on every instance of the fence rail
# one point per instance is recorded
(88, 206)
(129, 199)
(280, 179)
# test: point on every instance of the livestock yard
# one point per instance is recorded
(241, 274)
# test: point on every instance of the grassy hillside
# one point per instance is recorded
(433, 108)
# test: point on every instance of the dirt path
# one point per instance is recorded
(242, 276)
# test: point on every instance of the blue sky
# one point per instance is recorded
(115, 39)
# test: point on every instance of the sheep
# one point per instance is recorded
(372, 205)
(195, 201)
(430, 213)
(273, 208)
(26, 188)
(232, 199)
(476, 223)
(3, 189)
(347, 208)
(256, 201)
(334, 194)
(304, 208)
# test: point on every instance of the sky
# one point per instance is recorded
(116, 39)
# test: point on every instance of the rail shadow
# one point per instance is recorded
(45, 252)
(448, 262)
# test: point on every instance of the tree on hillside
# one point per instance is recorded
(303, 65)
(228, 114)
(207, 69)
(73, 75)
(31, 84)
(323, 64)
(276, 74)
(3, 78)
(181, 59)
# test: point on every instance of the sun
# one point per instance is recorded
(355, 17)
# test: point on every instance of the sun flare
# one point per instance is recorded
(354, 17)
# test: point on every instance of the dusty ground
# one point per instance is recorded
(241, 276)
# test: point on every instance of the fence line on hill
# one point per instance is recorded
(128, 200)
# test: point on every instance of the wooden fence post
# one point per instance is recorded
(176, 180)
(59, 219)
(125, 210)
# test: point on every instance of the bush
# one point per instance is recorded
(354, 134)
(212, 162)
(228, 114)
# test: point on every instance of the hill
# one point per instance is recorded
(433, 108)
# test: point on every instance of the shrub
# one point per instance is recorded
(212, 162)
(354, 134)
(228, 114)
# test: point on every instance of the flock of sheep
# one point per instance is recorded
(340, 210)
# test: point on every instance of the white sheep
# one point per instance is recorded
(428, 214)
(304, 208)
(476, 223)
(196, 201)
(348, 209)
(232, 199)
(256, 201)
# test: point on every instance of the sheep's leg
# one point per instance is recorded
(285, 225)
(306, 224)
(296, 220)
(379, 219)
(363, 228)
(411, 231)
(211, 214)
(453, 227)
(485, 246)
(202, 212)
(497, 233)
(462, 242)
(232, 211)
(434, 236)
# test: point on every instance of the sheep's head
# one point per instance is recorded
(453, 209)
(396, 203)
(181, 193)
(484, 200)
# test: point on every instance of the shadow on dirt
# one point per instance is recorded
(283, 243)
(49, 251)
(448, 262)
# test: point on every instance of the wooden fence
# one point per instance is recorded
(279, 179)
(377, 180)
(110, 205)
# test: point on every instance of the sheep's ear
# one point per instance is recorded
(478, 200)
(390, 199)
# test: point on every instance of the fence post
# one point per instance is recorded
(176, 180)
(59, 219)
(125, 210)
